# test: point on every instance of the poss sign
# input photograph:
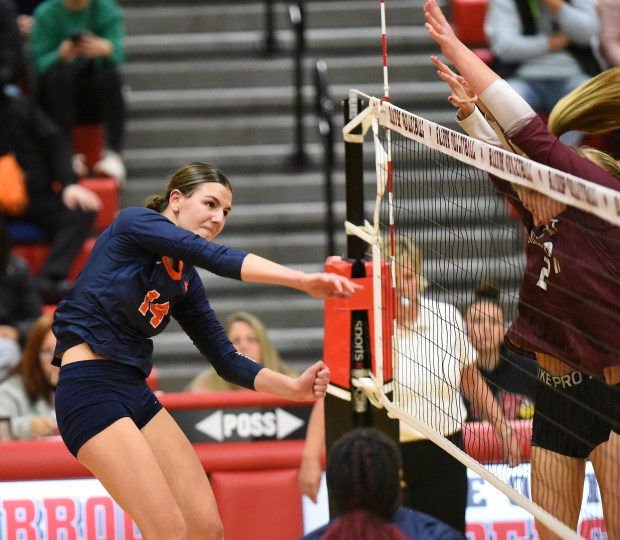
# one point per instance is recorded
(243, 424)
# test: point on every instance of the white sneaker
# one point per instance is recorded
(111, 165)
(78, 161)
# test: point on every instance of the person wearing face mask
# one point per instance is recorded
(249, 336)
(140, 273)
(27, 395)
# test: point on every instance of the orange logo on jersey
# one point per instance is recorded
(158, 310)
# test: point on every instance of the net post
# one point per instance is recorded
(348, 329)
(350, 409)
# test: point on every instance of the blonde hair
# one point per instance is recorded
(407, 251)
(593, 107)
(210, 381)
(602, 159)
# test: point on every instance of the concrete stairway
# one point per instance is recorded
(200, 87)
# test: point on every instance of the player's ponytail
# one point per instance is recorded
(156, 202)
(593, 107)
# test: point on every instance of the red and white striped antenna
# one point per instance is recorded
(386, 86)
(389, 186)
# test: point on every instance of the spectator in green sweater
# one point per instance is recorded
(76, 48)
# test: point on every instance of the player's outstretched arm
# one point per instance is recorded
(320, 285)
(478, 75)
(310, 385)
(508, 108)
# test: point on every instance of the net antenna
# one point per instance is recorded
(459, 159)
(386, 86)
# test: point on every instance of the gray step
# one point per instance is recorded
(242, 131)
(272, 72)
(318, 41)
(251, 16)
(233, 158)
(240, 100)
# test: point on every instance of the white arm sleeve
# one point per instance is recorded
(476, 126)
(508, 108)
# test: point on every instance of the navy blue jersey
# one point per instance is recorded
(569, 302)
(129, 289)
(413, 524)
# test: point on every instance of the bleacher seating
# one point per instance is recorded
(468, 21)
(32, 242)
(88, 140)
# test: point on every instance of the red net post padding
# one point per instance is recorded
(337, 320)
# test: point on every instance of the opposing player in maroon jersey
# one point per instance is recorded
(569, 302)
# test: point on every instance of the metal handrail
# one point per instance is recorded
(271, 44)
(324, 110)
(296, 14)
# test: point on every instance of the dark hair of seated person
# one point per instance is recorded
(364, 481)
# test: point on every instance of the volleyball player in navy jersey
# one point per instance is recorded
(569, 306)
(140, 273)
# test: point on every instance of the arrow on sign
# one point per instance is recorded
(212, 426)
(287, 423)
(234, 425)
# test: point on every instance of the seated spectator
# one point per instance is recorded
(610, 35)
(510, 376)
(249, 336)
(76, 48)
(543, 48)
(610, 46)
(11, 50)
(9, 355)
(27, 395)
(364, 479)
(57, 203)
(20, 304)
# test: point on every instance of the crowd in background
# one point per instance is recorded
(59, 64)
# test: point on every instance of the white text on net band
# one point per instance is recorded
(572, 190)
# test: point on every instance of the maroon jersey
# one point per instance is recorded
(569, 302)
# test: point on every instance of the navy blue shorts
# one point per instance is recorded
(574, 413)
(93, 394)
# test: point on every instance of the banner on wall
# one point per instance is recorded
(81, 509)
(75, 509)
(493, 516)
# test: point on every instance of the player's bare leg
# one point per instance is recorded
(185, 476)
(557, 486)
(610, 478)
(122, 460)
(605, 463)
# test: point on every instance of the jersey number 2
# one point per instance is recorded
(158, 310)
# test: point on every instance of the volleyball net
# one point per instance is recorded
(447, 258)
